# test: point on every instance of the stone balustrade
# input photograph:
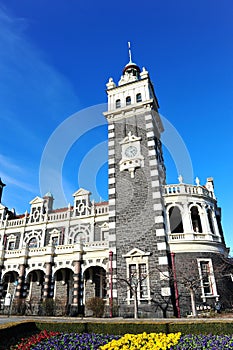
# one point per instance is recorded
(101, 209)
(180, 189)
(193, 237)
(60, 249)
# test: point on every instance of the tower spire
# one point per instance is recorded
(130, 54)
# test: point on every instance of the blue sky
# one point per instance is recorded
(55, 59)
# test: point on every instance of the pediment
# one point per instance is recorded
(81, 192)
(136, 252)
(37, 200)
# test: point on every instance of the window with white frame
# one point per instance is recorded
(32, 243)
(138, 278)
(55, 237)
(11, 242)
(138, 275)
(208, 284)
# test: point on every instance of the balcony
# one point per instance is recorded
(181, 189)
(195, 236)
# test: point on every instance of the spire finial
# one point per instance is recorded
(130, 55)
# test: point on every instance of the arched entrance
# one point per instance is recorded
(94, 283)
(35, 281)
(9, 281)
(63, 290)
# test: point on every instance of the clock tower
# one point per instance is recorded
(136, 175)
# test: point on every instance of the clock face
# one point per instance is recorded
(131, 151)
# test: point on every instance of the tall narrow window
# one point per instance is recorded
(196, 221)
(176, 224)
(138, 280)
(143, 281)
(118, 103)
(128, 100)
(139, 97)
(208, 284)
(210, 219)
(205, 275)
(11, 245)
(133, 279)
(32, 243)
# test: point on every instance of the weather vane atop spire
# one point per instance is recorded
(130, 55)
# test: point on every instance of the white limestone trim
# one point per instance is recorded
(164, 275)
(153, 162)
(151, 152)
(163, 260)
(112, 191)
(148, 117)
(160, 232)
(149, 125)
(112, 213)
(166, 291)
(150, 143)
(155, 183)
(112, 238)
(156, 195)
(111, 152)
(150, 134)
(161, 246)
(113, 249)
(111, 135)
(111, 170)
(158, 207)
(111, 161)
(112, 201)
(154, 172)
(111, 180)
(111, 126)
(112, 225)
(111, 143)
(158, 219)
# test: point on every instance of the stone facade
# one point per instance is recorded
(144, 250)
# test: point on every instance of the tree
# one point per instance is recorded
(134, 284)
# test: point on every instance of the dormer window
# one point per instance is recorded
(128, 100)
(118, 103)
(139, 97)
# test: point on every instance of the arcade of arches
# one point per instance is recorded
(60, 287)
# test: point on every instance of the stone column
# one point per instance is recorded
(21, 280)
(76, 284)
(47, 280)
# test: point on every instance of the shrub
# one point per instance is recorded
(96, 305)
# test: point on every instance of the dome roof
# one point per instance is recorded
(48, 194)
(131, 66)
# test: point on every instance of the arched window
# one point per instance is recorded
(139, 97)
(128, 100)
(196, 221)
(118, 103)
(210, 219)
(175, 218)
(32, 243)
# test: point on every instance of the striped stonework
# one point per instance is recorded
(136, 208)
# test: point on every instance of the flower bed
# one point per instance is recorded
(153, 341)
